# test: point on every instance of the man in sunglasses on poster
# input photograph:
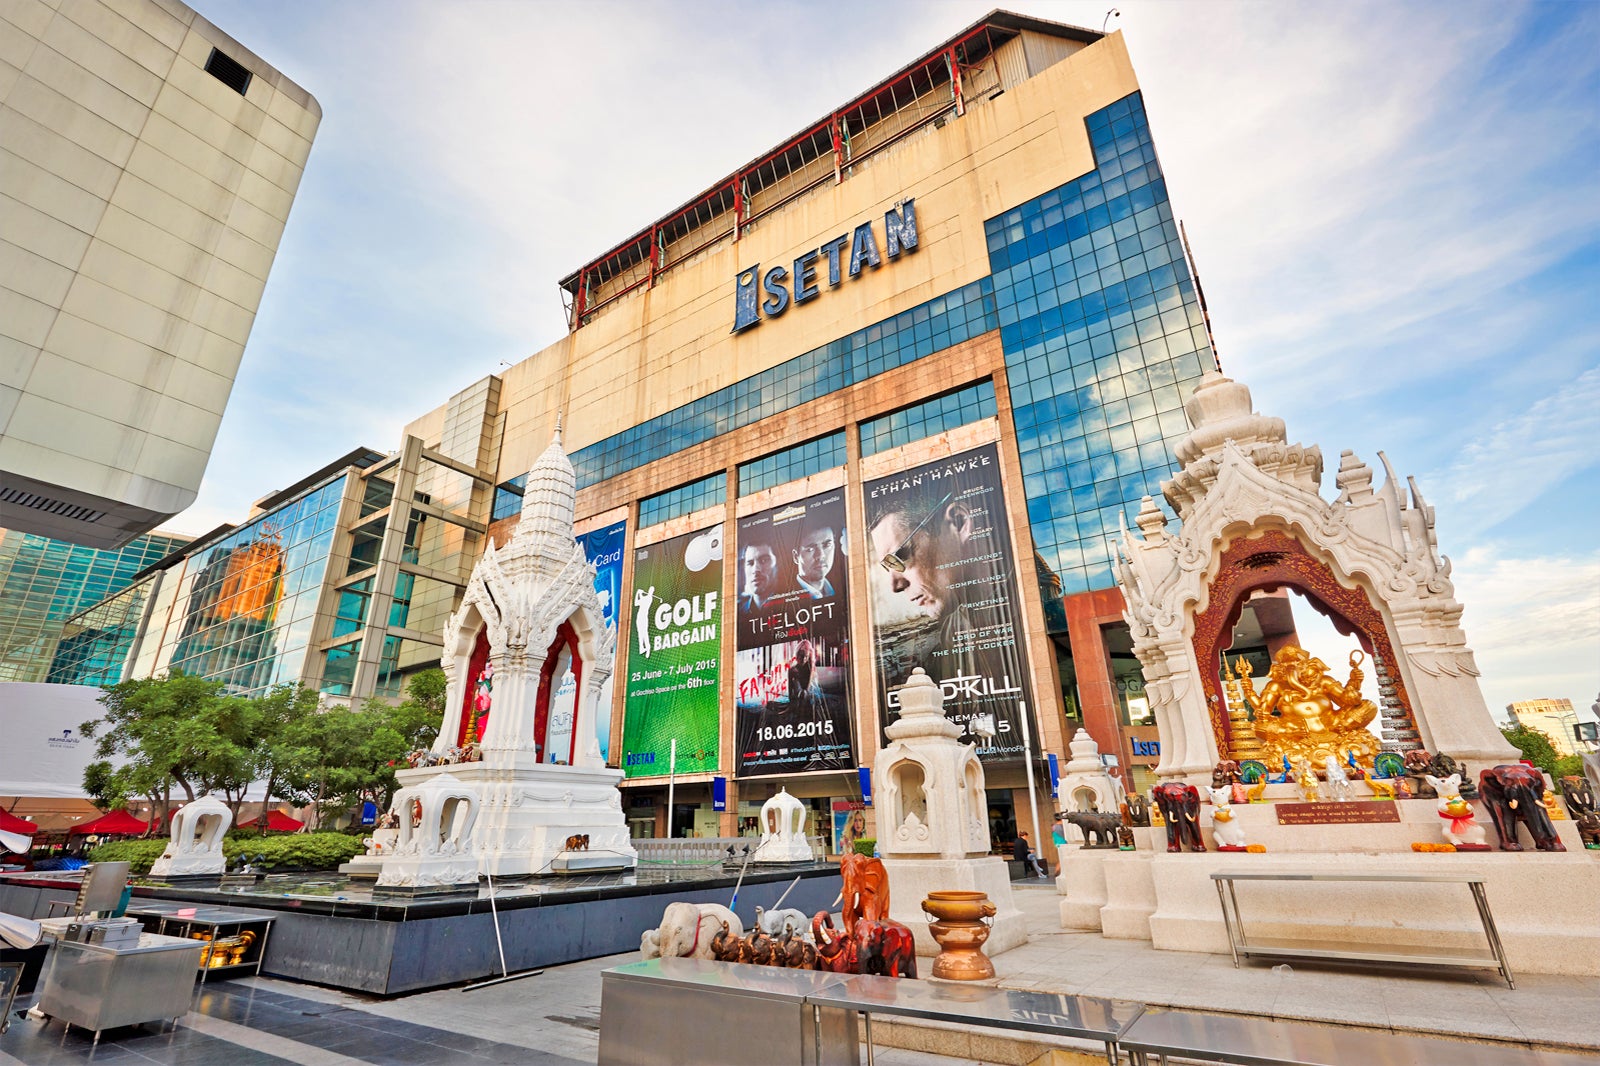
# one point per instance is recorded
(944, 598)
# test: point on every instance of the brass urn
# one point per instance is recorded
(960, 930)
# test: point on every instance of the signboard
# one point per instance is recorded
(1336, 813)
(849, 825)
(792, 644)
(674, 658)
(943, 594)
(603, 548)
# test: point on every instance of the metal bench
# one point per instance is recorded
(1258, 1042)
(1494, 958)
(1058, 1014)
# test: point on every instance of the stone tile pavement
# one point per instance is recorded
(553, 1019)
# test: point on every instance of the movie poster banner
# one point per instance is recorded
(792, 645)
(603, 548)
(674, 656)
(942, 584)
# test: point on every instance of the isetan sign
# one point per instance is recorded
(847, 253)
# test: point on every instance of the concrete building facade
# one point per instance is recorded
(147, 168)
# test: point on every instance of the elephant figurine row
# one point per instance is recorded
(1180, 806)
(791, 950)
(1515, 793)
(1102, 824)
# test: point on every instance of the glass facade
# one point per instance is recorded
(925, 329)
(96, 644)
(792, 464)
(685, 499)
(44, 582)
(247, 603)
(1103, 338)
(508, 497)
(928, 417)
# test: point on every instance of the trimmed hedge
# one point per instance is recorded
(866, 846)
(289, 851)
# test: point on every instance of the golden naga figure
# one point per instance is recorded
(1302, 712)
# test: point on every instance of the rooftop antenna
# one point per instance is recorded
(1112, 14)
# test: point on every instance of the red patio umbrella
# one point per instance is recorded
(117, 823)
(10, 823)
(278, 822)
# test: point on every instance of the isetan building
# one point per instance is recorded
(147, 165)
(877, 401)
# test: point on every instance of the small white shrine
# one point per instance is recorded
(933, 824)
(783, 831)
(433, 842)
(525, 656)
(195, 847)
(1085, 784)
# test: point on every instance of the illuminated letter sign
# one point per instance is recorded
(756, 293)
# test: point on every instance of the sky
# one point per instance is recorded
(1394, 210)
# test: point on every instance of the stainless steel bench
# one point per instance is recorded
(1258, 1042)
(1494, 958)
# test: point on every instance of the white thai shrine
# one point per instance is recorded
(194, 847)
(1253, 518)
(525, 656)
(933, 819)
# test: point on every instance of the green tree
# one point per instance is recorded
(418, 718)
(279, 755)
(1534, 745)
(161, 732)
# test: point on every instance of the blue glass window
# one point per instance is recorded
(929, 417)
(791, 464)
(685, 499)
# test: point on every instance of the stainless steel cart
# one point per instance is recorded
(96, 987)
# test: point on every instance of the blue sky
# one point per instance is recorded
(1394, 209)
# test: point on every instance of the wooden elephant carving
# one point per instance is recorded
(866, 890)
(1515, 793)
(1180, 806)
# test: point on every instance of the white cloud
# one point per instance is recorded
(1533, 623)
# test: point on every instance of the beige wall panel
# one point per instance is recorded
(104, 306)
(8, 395)
(77, 124)
(245, 255)
(105, 395)
(17, 452)
(95, 95)
(293, 148)
(50, 151)
(201, 348)
(211, 111)
(31, 17)
(33, 275)
(53, 195)
(255, 223)
(25, 320)
(36, 231)
(127, 38)
(151, 244)
(186, 424)
(9, 75)
(165, 27)
(227, 320)
(168, 137)
(299, 118)
(144, 200)
(170, 458)
(134, 75)
(195, 190)
(106, 350)
(259, 192)
(60, 427)
(16, 363)
(233, 285)
(134, 277)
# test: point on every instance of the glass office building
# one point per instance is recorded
(44, 582)
(970, 273)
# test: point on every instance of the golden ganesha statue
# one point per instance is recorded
(1302, 712)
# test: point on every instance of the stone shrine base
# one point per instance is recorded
(910, 881)
(1543, 902)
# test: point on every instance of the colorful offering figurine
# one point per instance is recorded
(1460, 828)
(1338, 782)
(1306, 781)
(1225, 827)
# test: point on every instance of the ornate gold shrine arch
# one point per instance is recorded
(1271, 561)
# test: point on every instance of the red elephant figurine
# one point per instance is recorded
(866, 890)
(837, 952)
(1180, 806)
(885, 948)
(1514, 792)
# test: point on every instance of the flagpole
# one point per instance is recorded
(1027, 755)
(672, 782)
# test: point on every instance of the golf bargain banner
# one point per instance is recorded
(674, 656)
(943, 595)
(603, 548)
(792, 658)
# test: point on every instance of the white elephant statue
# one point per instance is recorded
(686, 930)
(1225, 827)
(776, 923)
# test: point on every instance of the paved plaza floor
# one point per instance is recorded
(553, 1018)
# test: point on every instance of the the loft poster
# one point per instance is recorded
(943, 594)
(791, 666)
(675, 645)
(603, 548)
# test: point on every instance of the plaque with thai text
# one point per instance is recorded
(1336, 813)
